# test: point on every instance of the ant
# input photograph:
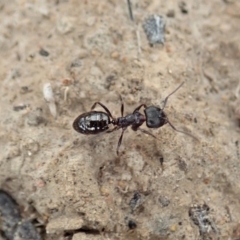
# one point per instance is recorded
(95, 122)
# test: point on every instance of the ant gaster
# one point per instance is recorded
(95, 122)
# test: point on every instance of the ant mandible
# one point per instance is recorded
(95, 122)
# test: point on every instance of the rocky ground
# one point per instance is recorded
(71, 186)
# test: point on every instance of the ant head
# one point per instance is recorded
(155, 117)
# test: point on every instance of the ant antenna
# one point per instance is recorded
(171, 125)
(166, 99)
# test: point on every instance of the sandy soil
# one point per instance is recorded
(72, 186)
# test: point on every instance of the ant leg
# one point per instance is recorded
(105, 108)
(138, 108)
(147, 132)
(120, 141)
(166, 99)
(112, 130)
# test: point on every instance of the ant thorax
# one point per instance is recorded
(126, 121)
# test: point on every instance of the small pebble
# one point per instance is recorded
(65, 25)
(183, 7)
(49, 97)
(66, 82)
(173, 228)
(136, 201)
(164, 201)
(34, 118)
(115, 55)
(105, 191)
(132, 224)
(26, 231)
(76, 63)
(20, 107)
(25, 89)
(12, 225)
(154, 27)
(171, 14)
(43, 52)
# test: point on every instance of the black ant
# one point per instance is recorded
(95, 122)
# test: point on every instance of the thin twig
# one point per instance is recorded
(130, 10)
